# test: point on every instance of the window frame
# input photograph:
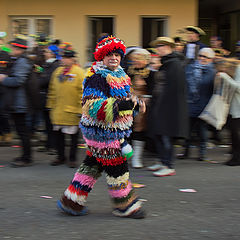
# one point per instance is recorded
(165, 20)
(89, 31)
(32, 23)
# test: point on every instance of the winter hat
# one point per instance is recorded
(42, 40)
(55, 50)
(20, 42)
(208, 52)
(108, 45)
(142, 54)
(130, 49)
(67, 50)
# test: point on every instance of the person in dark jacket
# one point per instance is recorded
(200, 78)
(15, 82)
(5, 130)
(50, 65)
(194, 44)
(168, 116)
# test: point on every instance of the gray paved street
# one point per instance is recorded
(213, 212)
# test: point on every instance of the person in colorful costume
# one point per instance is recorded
(106, 121)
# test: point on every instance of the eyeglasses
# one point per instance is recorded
(203, 56)
(160, 45)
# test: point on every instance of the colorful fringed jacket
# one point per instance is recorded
(106, 114)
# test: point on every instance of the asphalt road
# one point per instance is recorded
(212, 212)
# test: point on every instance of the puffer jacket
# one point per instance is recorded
(16, 99)
(200, 89)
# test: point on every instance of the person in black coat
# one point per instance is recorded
(18, 101)
(5, 64)
(168, 116)
(49, 66)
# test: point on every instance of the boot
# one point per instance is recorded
(138, 147)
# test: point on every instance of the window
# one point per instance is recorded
(31, 25)
(97, 26)
(153, 27)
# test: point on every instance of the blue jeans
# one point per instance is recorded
(201, 128)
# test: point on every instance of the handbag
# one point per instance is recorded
(216, 112)
(217, 109)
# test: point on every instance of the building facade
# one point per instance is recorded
(220, 18)
(80, 22)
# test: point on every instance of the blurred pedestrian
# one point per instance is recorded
(5, 129)
(229, 70)
(216, 45)
(193, 43)
(35, 118)
(51, 54)
(200, 79)
(155, 63)
(138, 71)
(17, 98)
(179, 45)
(64, 102)
(168, 116)
(5, 65)
(105, 122)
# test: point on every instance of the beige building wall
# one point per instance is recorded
(70, 17)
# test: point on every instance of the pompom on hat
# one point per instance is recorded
(108, 45)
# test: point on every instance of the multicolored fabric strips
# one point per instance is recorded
(103, 127)
(124, 199)
(101, 123)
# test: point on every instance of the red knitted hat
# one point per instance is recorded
(108, 45)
